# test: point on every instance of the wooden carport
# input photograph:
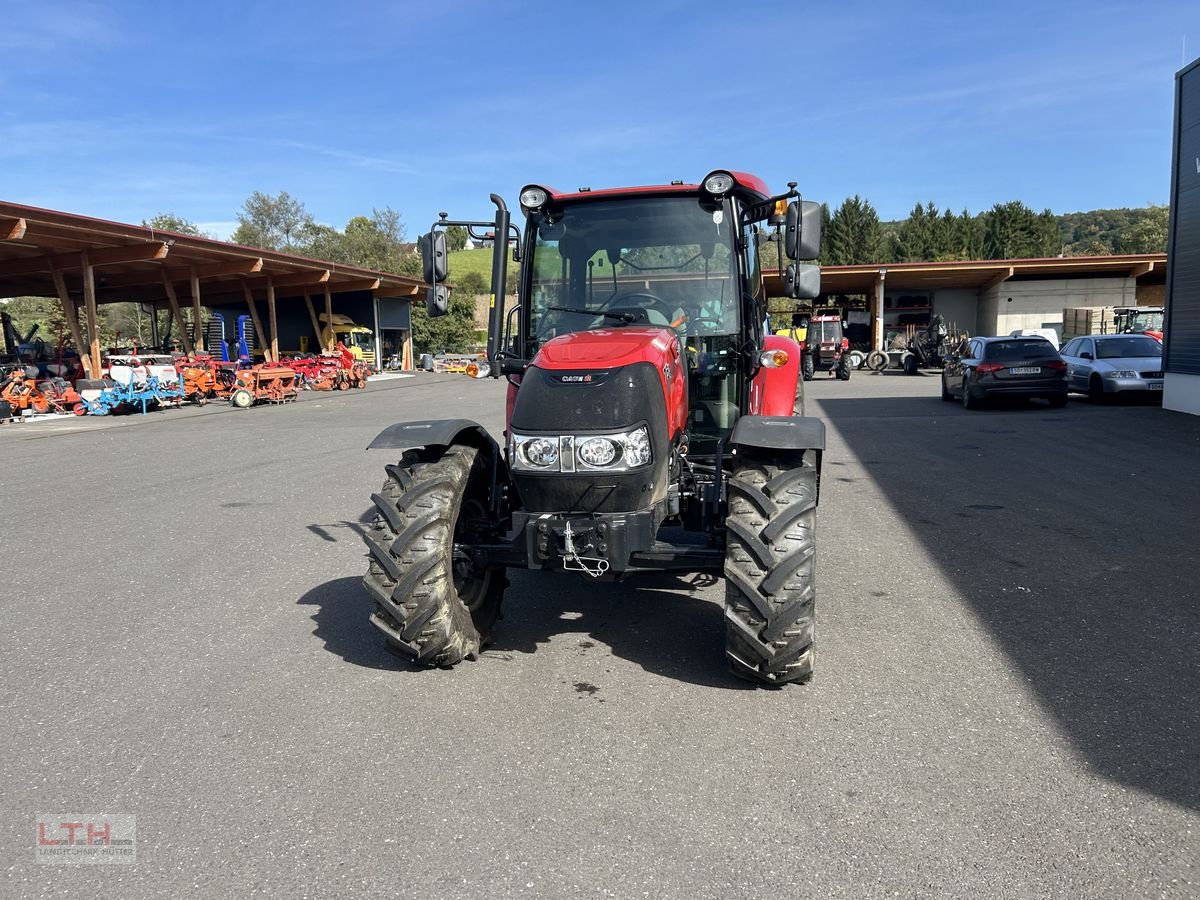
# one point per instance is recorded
(870, 280)
(88, 262)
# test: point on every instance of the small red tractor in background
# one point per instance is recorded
(1146, 320)
(826, 349)
(651, 425)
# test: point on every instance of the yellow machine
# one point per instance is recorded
(359, 339)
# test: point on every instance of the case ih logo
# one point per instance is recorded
(575, 379)
(88, 839)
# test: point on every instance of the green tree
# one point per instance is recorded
(456, 237)
(473, 284)
(451, 333)
(1146, 232)
(273, 223)
(1014, 231)
(854, 235)
(170, 222)
(919, 237)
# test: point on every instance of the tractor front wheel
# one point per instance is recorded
(807, 366)
(770, 568)
(843, 368)
(433, 602)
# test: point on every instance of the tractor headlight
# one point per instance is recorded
(637, 447)
(718, 183)
(614, 452)
(540, 452)
(597, 451)
(533, 197)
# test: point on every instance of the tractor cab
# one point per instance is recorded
(1139, 320)
(671, 262)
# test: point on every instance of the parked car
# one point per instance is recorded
(1005, 367)
(1103, 365)
(1048, 333)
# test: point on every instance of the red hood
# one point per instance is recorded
(611, 348)
(608, 348)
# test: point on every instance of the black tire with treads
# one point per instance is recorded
(808, 366)
(431, 608)
(770, 569)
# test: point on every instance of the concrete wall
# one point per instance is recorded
(959, 307)
(1039, 304)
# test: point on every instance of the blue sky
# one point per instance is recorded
(125, 109)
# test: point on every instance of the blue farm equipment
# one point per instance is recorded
(118, 397)
(245, 335)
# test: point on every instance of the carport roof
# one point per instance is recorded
(131, 262)
(1148, 268)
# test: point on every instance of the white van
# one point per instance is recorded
(1048, 333)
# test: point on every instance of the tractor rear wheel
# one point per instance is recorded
(807, 366)
(843, 368)
(770, 567)
(432, 602)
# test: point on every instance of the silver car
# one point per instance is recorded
(1102, 365)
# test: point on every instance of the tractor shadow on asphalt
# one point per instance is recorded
(340, 614)
(1069, 534)
(654, 622)
(659, 622)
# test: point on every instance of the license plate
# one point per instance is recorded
(1155, 386)
(1025, 370)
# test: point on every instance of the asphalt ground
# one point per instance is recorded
(1004, 705)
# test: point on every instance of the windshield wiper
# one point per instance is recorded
(619, 316)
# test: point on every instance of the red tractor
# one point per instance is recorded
(651, 425)
(825, 348)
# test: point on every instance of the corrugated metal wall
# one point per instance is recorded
(1183, 278)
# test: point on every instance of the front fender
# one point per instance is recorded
(802, 435)
(435, 433)
(773, 390)
(779, 433)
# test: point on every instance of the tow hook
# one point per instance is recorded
(572, 561)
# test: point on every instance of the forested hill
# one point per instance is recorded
(1104, 231)
(1006, 231)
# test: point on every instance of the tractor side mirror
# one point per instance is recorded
(802, 233)
(433, 257)
(802, 282)
(437, 301)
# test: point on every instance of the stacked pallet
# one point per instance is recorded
(1081, 320)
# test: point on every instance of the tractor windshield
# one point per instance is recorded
(825, 332)
(655, 260)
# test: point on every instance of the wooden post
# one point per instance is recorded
(312, 314)
(89, 297)
(271, 317)
(71, 314)
(198, 326)
(258, 329)
(329, 344)
(173, 302)
(877, 311)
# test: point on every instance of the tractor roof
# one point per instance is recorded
(748, 186)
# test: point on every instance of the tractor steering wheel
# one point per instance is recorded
(657, 303)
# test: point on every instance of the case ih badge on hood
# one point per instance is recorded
(651, 424)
